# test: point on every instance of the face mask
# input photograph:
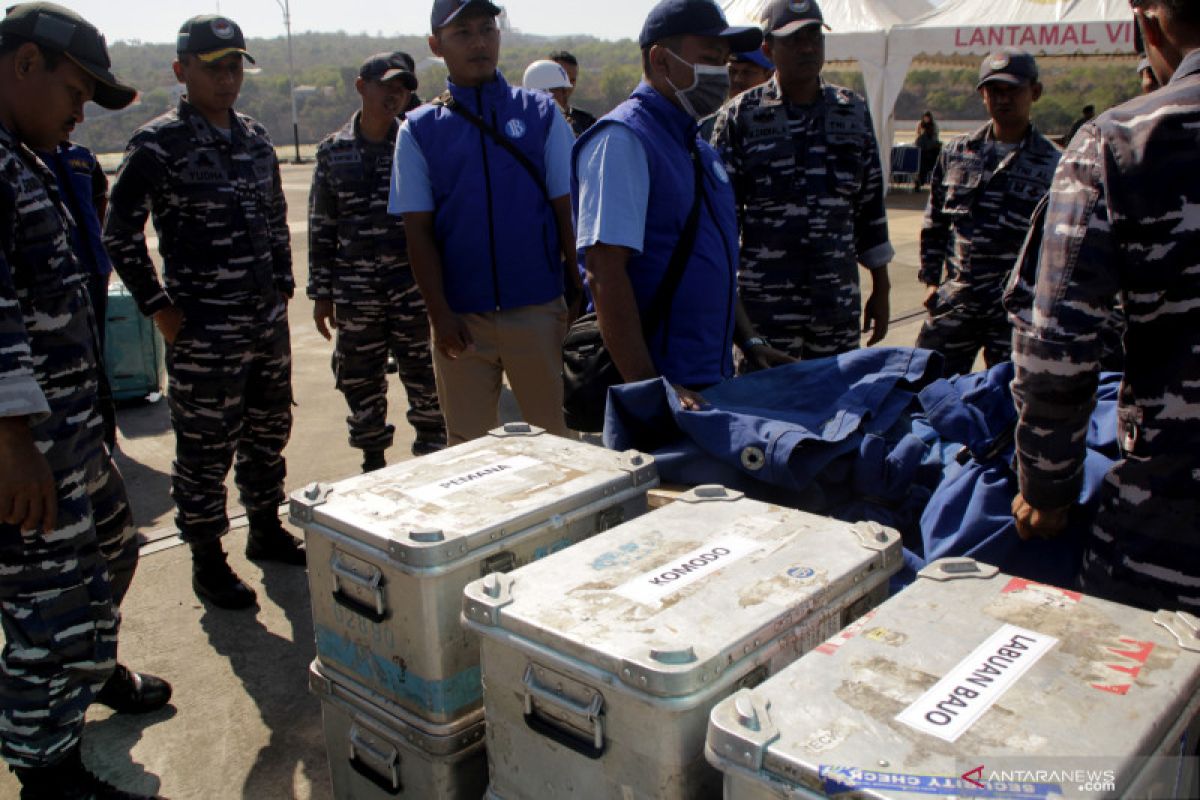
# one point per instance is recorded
(708, 92)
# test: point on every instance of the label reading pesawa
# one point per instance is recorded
(975, 683)
(473, 477)
(651, 587)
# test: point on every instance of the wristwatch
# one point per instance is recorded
(752, 342)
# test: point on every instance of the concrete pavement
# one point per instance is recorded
(242, 723)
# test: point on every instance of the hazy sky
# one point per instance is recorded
(158, 20)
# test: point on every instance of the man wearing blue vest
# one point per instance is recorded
(634, 185)
(481, 177)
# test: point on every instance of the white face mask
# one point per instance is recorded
(708, 92)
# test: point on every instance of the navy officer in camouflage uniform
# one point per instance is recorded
(67, 550)
(809, 186)
(211, 180)
(358, 276)
(982, 195)
(1124, 218)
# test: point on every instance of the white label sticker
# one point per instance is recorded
(975, 683)
(666, 579)
(472, 478)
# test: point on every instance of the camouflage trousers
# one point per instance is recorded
(1144, 547)
(802, 322)
(801, 335)
(230, 394)
(365, 336)
(960, 332)
(59, 597)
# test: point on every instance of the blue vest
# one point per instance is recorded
(72, 165)
(694, 346)
(497, 235)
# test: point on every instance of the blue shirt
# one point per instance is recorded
(614, 190)
(412, 190)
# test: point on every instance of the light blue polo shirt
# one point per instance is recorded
(412, 191)
(614, 190)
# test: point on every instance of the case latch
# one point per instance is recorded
(742, 730)
(710, 493)
(874, 536)
(953, 569)
(1183, 626)
(509, 429)
(483, 599)
(300, 509)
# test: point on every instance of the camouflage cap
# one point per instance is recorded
(62, 30)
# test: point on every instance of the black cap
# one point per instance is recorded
(785, 17)
(62, 30)
(444, 11)
(210, 37)
(695, 18)
(1010, 66)
(384, 67)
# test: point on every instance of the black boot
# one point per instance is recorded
(424, 445)
(128, 692)
(268, 541)
(373, 460)
(68, 779)
(213, 580)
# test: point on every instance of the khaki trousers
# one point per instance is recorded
(524, 343)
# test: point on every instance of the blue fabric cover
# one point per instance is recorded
(871, 435)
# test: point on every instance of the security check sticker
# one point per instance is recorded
(666, 579)
(472, 478)
(974, 684)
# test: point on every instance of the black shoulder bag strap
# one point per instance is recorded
(447, 100)
(659, 312)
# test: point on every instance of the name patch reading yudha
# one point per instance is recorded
(476, 476)
(975, 683)
(666, 579)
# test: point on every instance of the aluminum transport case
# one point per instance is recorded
(972, 683)
(601, 663)
(378, 752)
(390, 552)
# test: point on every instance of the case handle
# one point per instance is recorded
(346, 580)
(571, 724)
(381, 767)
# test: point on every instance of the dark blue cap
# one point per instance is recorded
(755, 57)
(444, 11)
(1010, 66)
(695, 18)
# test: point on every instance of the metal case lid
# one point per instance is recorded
(969, 667)
(427, 737)
(671, 600)
(438, 508)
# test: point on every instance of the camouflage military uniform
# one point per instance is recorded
(1124, 217)
(980, 204)
(59, 591)
(358, 259)
(809, 189)
(221, 216)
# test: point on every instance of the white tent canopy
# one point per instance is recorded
(858, 32)
(975, 28)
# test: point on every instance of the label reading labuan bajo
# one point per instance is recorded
(472, 477)
(666, 579)
(975, 683)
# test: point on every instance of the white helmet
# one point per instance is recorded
(544, 76)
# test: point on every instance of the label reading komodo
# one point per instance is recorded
(472, 477)
(666, 579)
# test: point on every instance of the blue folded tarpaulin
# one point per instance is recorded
(781, 427)
(872, 434)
